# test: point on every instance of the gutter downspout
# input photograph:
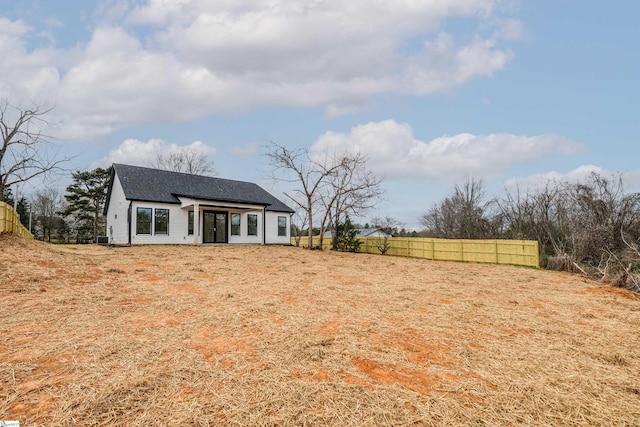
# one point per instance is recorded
(196, 223)
(289, 230)
(129, 213)
(264, 225)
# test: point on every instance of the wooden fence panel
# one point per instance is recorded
(10, 221)
(448, 250)
(485, 251)
(518, 252)
(514, 252)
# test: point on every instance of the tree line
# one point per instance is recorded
(591, 226)
(73, 217)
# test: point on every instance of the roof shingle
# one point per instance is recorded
(155, 185)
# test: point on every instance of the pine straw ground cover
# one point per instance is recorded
(147, 336)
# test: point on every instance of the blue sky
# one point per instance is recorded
(431, 91)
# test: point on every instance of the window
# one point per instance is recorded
(162, 221)
(252, 225)
(235, 224)
(282, 226)
(143, 221)
(190, 224)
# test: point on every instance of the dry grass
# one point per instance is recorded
(148, 336)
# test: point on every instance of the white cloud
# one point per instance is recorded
(393, 150)
(199, 57)
(142, 153)
(631, 179)
(247, 149)
(509, 29)
(441, 65)
(25, 74)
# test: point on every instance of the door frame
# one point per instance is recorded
(226, 226)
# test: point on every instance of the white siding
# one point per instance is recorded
(272, 229)
(178, 223)
(244, 237)
(117, 215)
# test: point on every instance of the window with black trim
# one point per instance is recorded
(190, 223)
(252, 225)
(235, 224)
(143, 221)
(282, 226)
(162, 221)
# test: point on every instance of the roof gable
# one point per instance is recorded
(155, 185)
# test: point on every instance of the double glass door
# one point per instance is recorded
(214, 227)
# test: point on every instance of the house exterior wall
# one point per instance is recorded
(272, 228)
(179, 220)
(244, 237)
(118, 211)
(178, 223)
(117, 215)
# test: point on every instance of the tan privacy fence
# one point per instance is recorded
(10, 221)
(514, 252)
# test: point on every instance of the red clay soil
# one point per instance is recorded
(252, 335)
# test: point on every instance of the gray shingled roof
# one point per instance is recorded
(155, 185)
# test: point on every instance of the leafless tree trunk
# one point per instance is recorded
(25, 150)
(295, 166)
(338, 185)
(350, 191)
(299, 221)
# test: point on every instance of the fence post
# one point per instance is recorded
(497, 259)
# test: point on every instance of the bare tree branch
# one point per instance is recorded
(25, 148)
(186, 160)
(338, 185)
(295, 166)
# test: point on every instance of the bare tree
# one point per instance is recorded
(630, 277)
(187, 160)
(465, 214)
(295, 166)
(337, 185)
(351, 190)
(539, 215)
(25, 150)
(46, 206)
(388, 227)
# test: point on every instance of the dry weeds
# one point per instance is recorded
(150, 336)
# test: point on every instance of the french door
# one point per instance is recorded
(214, 227)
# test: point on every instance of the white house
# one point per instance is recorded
(147, 206)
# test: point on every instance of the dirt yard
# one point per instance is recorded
(179, 336)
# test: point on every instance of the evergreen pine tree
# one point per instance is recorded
(85, 198)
